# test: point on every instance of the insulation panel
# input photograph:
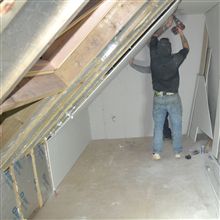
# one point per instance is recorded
(43, 172)
(9, 208)
(25, 181)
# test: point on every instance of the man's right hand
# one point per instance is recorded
(180, 31)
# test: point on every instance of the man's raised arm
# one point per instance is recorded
(183, 39)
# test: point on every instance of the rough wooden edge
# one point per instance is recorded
(39, 195)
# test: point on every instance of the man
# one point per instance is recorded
(146, 69)
(165, 79)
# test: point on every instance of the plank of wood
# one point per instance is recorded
(96, 41)
(33, 89)
(92, 6)
(12, 121)
(72, 28)
(59, 51)
(39, 194)
(42, 67)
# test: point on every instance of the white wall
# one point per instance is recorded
(124, 108)
(68, 144)
(213, 27)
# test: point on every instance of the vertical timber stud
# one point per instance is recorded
(39, 195)
(15, 187)
(46, 147)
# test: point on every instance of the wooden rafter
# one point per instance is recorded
(42, 67)
(32, 89)
(68, 42)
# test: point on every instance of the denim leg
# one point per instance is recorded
(175, 112)
(159, 114)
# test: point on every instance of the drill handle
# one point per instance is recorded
(179, 24)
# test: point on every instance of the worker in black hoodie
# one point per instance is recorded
(165, 79)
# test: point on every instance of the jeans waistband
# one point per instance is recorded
(162, 93)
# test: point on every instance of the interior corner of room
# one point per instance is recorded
(76, 119)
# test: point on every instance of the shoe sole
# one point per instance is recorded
(156, 157)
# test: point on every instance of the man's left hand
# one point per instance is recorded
(169, 21)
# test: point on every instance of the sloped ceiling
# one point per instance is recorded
(79, 60)
(196, 6)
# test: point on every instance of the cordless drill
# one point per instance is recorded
(179, 24)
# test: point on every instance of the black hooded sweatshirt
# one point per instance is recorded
(165, 65)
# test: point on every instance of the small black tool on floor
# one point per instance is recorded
(188, 157)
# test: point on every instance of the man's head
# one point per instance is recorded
(164, 47)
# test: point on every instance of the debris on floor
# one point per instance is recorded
(202, 148)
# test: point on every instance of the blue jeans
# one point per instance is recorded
(172, 105)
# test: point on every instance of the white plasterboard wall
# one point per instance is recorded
(65, 147)
(124, 108)
(213, 27)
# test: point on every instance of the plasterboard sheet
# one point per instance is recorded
(43, 172)
(8, 206)
(216, 139)
(204, 51)
(207, 65)
(26, 185)
(201, 115)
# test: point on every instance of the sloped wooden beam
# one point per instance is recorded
(65, 45)
(87, 50)
(84, 14)
(33, 89)
(42, 67)
(12, 121)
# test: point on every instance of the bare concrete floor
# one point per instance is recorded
(117, 179)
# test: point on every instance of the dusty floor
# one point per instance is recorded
(117, 179)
